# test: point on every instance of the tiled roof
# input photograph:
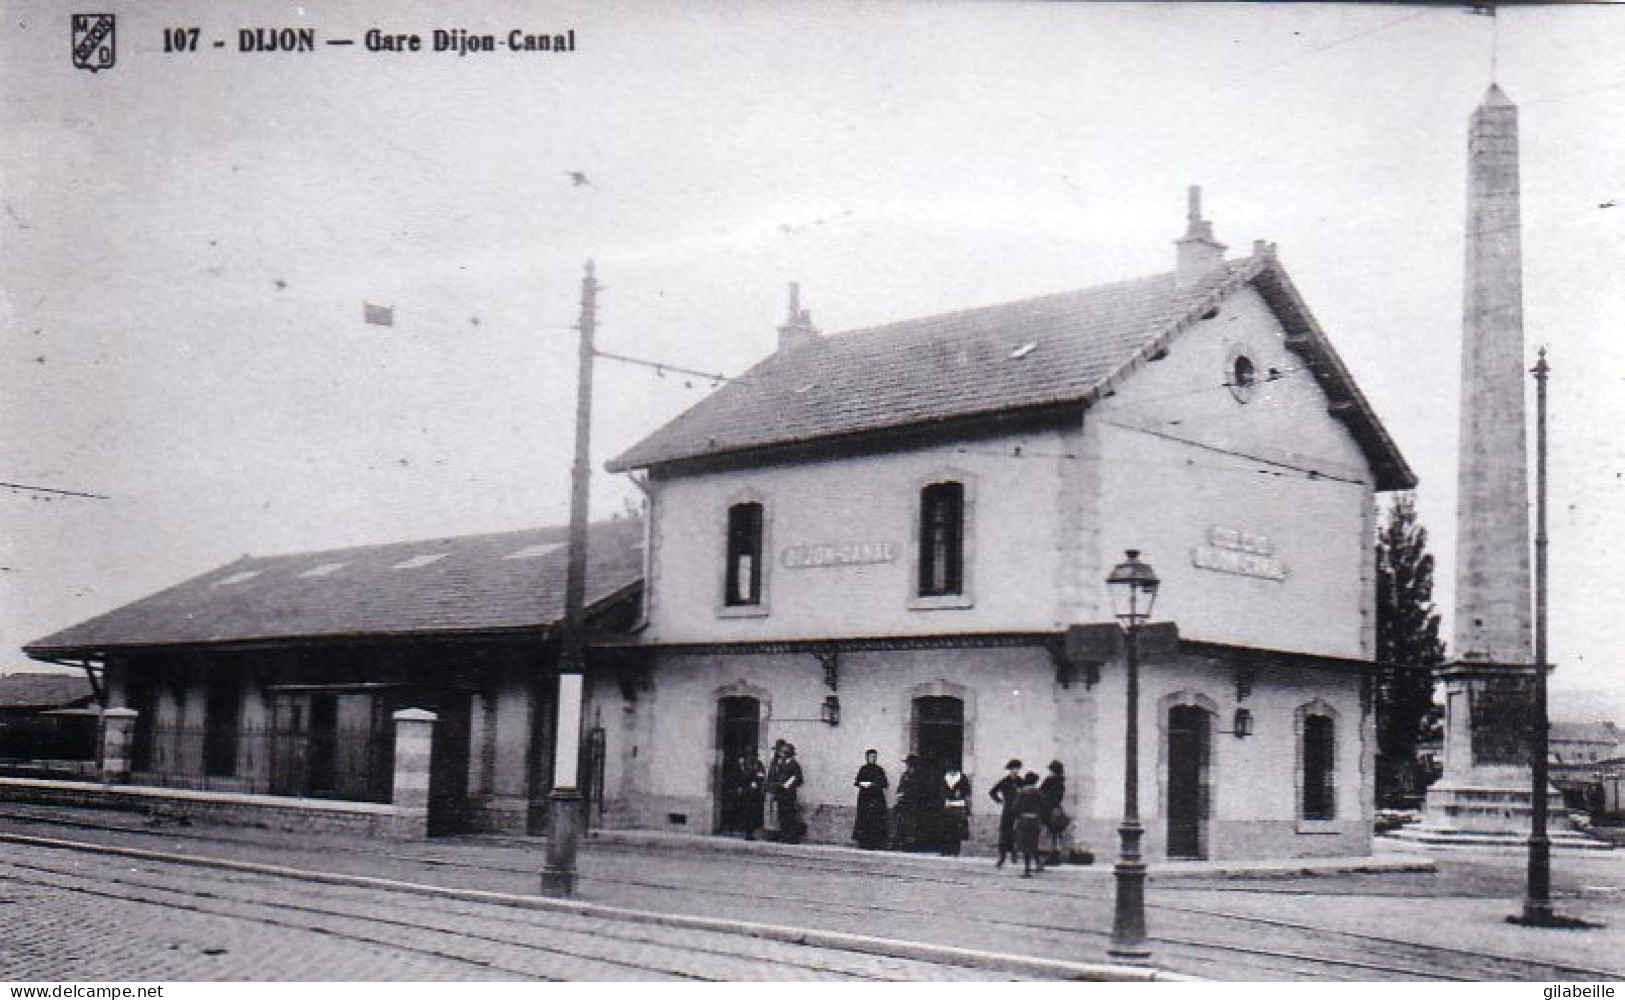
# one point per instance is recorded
(34, 690)
(479, 583)
(1055, 349)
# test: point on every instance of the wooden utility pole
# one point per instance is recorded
(565, 812)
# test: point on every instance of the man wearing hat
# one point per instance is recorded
(1004, 793)
(775, 769)
(786, 792)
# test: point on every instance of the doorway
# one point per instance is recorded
(1190, 741)
(939, 732)
(739, 730)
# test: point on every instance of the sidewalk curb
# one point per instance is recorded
(884, 947)
(1278, 868)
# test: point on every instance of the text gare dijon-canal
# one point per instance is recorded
(452, 41)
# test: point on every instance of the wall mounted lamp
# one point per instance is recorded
(830, 711)
(1242, 726)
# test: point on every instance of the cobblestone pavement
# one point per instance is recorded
(79, 916)
(1447, 924)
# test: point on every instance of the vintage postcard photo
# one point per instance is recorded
(781, 491)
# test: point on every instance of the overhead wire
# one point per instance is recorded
(26, 488)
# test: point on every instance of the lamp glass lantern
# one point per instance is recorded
(1133, 588)
(830, 711)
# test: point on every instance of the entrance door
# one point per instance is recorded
(1189, 740)
(939, 733)
(739, 728)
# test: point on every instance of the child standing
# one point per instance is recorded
(1029, 817)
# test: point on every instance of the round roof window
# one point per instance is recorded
(1242, 377)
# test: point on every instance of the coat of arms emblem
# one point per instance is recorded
(93, 42)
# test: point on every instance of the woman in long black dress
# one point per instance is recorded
(786, 797)
(869, 829)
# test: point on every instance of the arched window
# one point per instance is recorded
(1318, 795)
(743, 584)
(942, 540)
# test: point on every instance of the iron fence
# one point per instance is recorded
(351, 764)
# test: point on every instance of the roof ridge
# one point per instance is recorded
(563, 529)
(995, 306)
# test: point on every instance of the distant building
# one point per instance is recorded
(47, 723)
(1584, 761)
(1578, 744)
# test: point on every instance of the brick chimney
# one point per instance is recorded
(1199, 253)
(797, 331)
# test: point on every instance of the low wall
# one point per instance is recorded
(269, 812)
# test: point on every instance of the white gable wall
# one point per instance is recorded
(1186, 470)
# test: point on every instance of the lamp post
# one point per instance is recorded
(1133, 588)
(1537, 903)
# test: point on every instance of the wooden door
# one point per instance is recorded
(1189, 741)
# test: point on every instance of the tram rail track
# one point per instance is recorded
(1338, 953)
(354, 914)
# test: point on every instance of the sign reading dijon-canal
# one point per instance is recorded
(1244, 553)
(844, 554)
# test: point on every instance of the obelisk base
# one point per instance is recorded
(1483, 799)
(1491, 815)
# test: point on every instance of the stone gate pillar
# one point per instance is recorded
(118, 738)
(414, 739)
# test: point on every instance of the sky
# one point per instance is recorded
(188, 239)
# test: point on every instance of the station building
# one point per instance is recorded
(883, 538)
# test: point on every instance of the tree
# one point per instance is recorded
(1408, 652)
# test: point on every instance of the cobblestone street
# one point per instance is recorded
(77, 913)
(83, 917)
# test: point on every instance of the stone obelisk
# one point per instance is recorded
(1484, 793)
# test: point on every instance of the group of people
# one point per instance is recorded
(764, 797)
(932, 812)
(1027, 809)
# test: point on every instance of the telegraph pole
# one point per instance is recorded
(565, 812)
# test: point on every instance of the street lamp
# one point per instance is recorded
(1537, 900)
(1133, 588)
